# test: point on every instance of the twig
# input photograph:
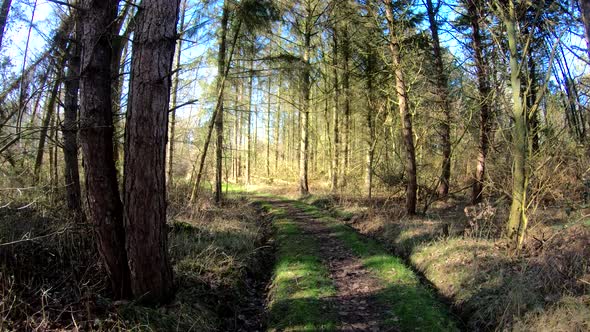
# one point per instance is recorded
(61, 231)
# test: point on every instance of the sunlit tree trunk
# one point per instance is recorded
(146, 135)
(249, 123)
(404, 109)
(517, 222)
(96, 138)
(443, 99)
(268, 128)
(335, 115)
(221, 58)
(474, 10)
(278, 125)
(304, 124)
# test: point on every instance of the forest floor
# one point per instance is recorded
(321, 263)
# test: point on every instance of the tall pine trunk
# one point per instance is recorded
(70, 127)
(443, 100)
(221, 58)
(146, 135)
(96, 138)
(335, 115)
(304, 114)
(474, 12)
(404, 110)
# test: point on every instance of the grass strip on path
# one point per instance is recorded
(410, 305)
(301, 286)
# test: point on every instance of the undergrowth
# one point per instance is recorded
(51, 278)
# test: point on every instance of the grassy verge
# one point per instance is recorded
(300, 283)
(411, 306)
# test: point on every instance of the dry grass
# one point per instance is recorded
(51, 278)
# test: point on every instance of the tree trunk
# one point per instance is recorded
(304, 125)
(96, 138)
(371, 59)
(249, 123)
(517, 222)
(585, 11)
(49, 111)
(346, 86)
(70, 128)
(406, 117)
(268, 128)
(145, 150)
(443, 95)
(335, 116)
(221, 58)
(175, 98)
(4, 10)
(278, 126)
(474, 11)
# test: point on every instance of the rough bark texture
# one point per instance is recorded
(219, 118)
(404, 110)
(146, 135)
(442, 92)
(517, 221)
(96, 138)
(474, 10)
(70, 128)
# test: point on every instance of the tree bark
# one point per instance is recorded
(304, 125)
(443, 100)
(474, 12)
(70, 127)
(221, 58)
(517, 222)
(404, 109)
(96, 138)
(145, 150)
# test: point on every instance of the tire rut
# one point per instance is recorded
(355, 300)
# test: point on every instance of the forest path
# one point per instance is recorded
(371, 289)
(355, 301)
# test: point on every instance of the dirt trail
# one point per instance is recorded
(357, 307)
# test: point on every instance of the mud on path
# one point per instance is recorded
(355, 303)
